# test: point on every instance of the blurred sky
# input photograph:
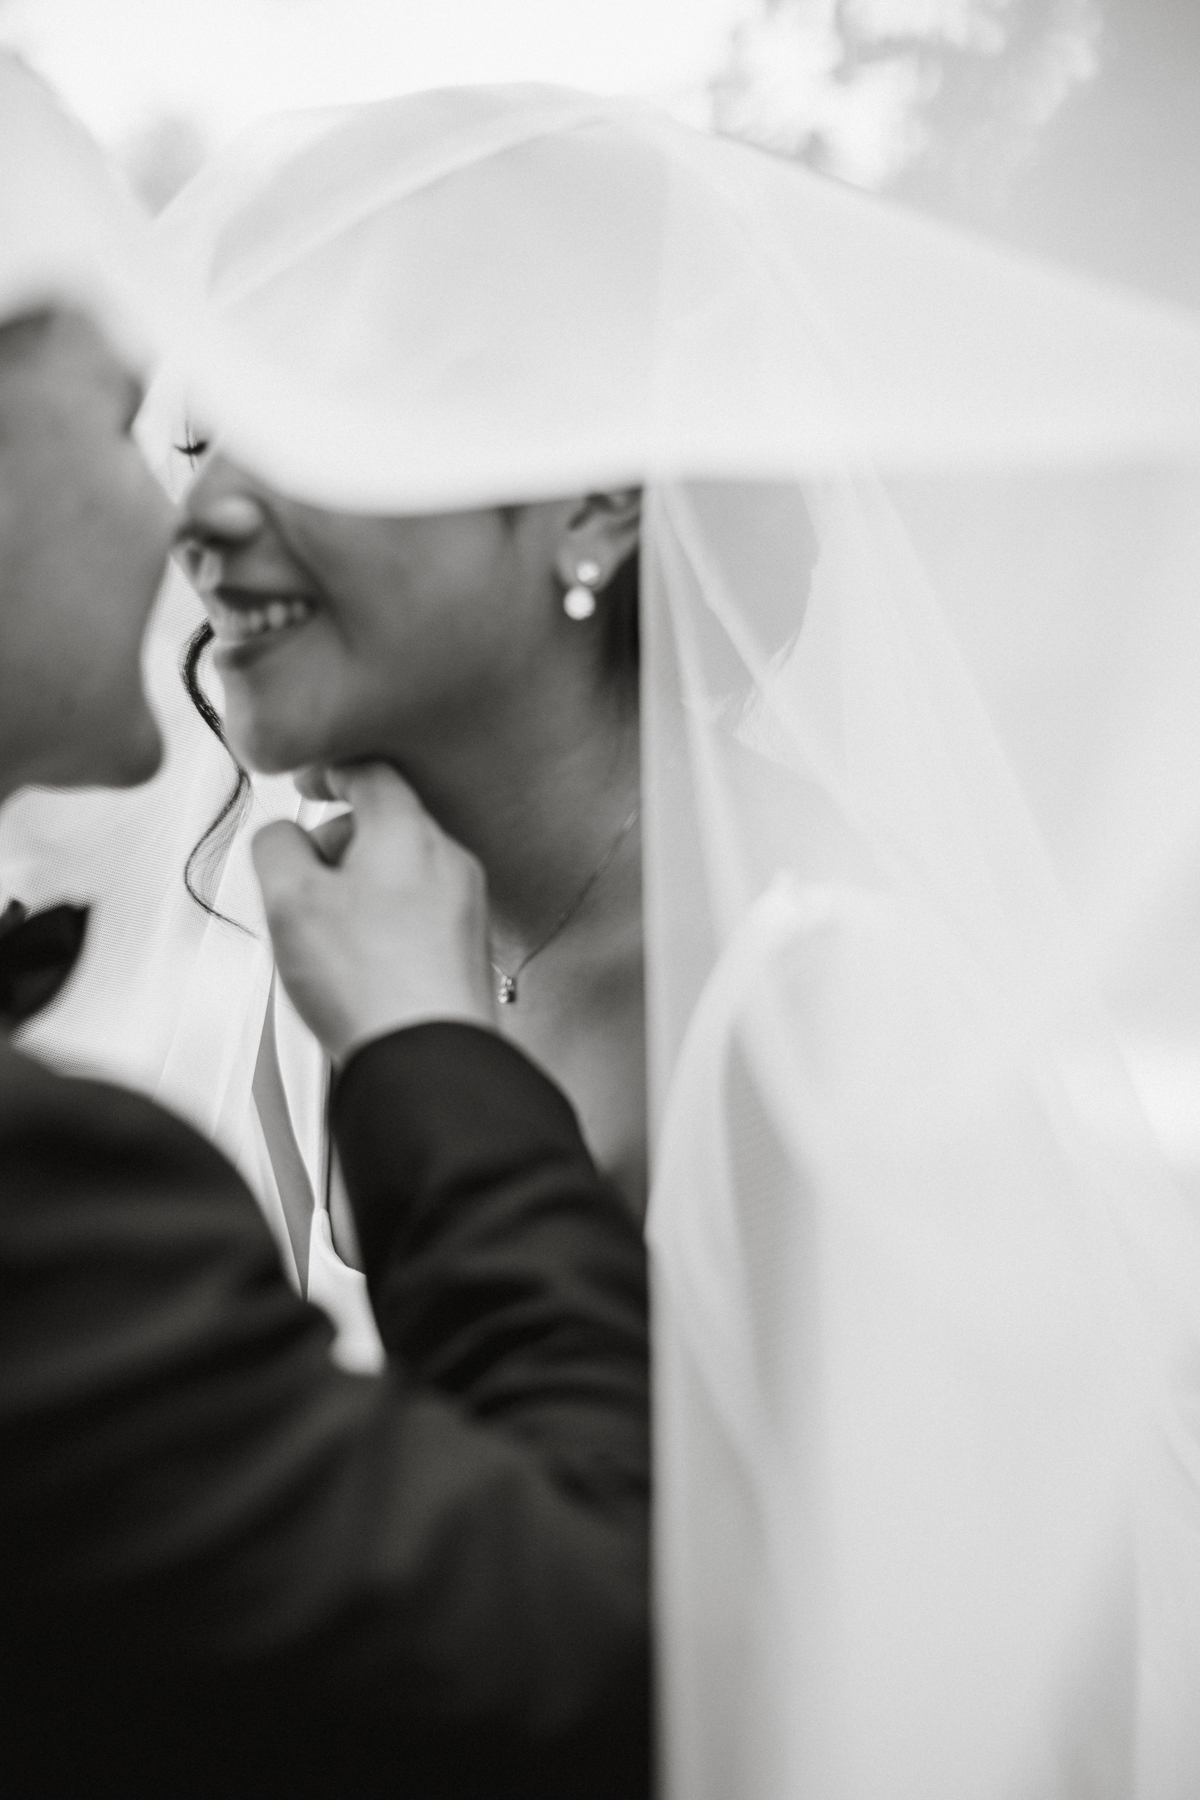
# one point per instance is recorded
(124, 63)
(1068, 127)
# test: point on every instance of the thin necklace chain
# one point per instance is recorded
(506, 993)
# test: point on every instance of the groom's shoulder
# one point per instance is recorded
(55, 1127)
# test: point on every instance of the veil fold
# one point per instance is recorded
(926, 1299)
(166, 998)
(71, 232)
(927, 1316)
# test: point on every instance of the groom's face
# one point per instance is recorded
(84, 535)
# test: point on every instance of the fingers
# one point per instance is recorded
(391, 833)
(394, 836)
(284, 858)
(332, 837)
(312, 783)
(376, 792)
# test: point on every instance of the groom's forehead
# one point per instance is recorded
(63, 349)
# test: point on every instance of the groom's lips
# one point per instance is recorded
(248, 621)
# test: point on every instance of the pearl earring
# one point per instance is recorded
(579, 602)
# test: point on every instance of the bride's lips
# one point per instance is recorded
(247, 622)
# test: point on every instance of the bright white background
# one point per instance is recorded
(1070, 127)
(122, 63)
(1067, 127)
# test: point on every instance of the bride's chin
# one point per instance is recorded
(269, 749)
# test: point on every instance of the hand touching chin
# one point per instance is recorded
(378, 926)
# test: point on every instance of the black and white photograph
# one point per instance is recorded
(600, 899)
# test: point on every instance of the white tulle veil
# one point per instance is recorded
(927, 1299)
(167, 997)
(71, 232)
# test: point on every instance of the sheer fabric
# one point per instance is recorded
(927, 1296)
(71, 235)
(1072, 598)
(178, 1002)
(70, 232)
(167, 998)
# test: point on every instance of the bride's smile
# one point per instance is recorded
(342, 636)
(240, 615)
(442, 643)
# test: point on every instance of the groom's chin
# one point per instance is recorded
(127, 759)
(137, 757)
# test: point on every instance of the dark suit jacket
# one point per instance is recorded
(230, 1568)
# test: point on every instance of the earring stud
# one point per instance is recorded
(579, 601)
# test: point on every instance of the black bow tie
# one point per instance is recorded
(37, 953)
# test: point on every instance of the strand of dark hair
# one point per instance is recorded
(622, 654)
(207, 856)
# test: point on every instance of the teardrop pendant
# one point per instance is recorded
(506, 993)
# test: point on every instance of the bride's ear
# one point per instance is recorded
(602, 530)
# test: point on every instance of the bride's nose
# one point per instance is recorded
(229, 520)
(226, 519)
(216, 524)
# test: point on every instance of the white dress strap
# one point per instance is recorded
(342, 1292)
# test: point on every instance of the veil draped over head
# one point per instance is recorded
(71, 234)
(927, 1297)
(167, 998)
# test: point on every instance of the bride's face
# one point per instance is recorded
(342, 636)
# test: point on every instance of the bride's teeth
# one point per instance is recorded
(235, 624)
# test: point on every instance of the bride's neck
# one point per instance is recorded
(537, 789)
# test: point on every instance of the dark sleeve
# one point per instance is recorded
(502, 1269)
(459, 1543)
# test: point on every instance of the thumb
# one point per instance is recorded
(392, 830)
(376, 792)
(285, 861)
(332, 836)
